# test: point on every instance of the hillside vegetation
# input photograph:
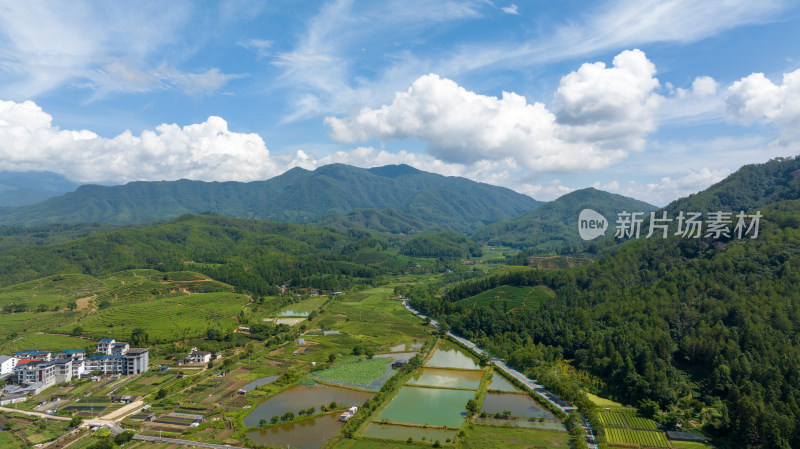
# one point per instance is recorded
(553, 227)
(296, 196)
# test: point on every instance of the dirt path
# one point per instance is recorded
(83, 303)
(36, 414)
(126, 410)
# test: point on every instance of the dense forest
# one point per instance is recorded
(252, 255)
(703, 330)
(551, 227)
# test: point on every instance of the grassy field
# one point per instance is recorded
(354, 370)
(511, 297)
(479, 437)
(371, 444)
(689, 445)
(47, 342)
(180, 318)
(602, 402)
(50, 292)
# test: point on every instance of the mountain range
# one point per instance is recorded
(298, 195)
(23, 188)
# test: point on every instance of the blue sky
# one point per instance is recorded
(650, 99)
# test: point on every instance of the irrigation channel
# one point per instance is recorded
(533, 386)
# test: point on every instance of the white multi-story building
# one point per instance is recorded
(104, 363)
(28, 372)
(33, 354)
(104, 345)
(135, 361)
(7, 364)
(63, 370)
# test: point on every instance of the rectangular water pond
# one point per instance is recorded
(401, 433)
(500, 383)
(310, 433)
(520, 405)
(447, 378)
(450, 355)
(301, 397)
(428, 406)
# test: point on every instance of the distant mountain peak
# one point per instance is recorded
(393, 171)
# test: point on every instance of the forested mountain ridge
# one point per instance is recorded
(295, 196)
(21, 188)
(750, 187)
(253, 255)
(553, 226)
(700, 332)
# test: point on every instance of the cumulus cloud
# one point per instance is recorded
(207, 151)
(613, 106)
(756, 98)
(601, 114)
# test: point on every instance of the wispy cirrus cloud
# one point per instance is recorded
(116, 47)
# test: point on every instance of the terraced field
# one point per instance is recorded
(642, 438)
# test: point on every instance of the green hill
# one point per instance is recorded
(250, 254)
(296, 196)
(443, 245)
(701, 332)
(552, 227)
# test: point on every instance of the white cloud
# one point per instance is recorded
(44, 45)
(702, 103)
(602, 113)
(756, 98)
(260, 46)
(614, 106)
(511, 9)
(206, 151)
(668, 189)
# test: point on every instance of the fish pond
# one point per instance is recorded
(448, 378)
(259, 382)
(450, 355)
(301, 397)
(428, 406)
(402, 433)
(520, 405)
(310, 433)
(500, 383)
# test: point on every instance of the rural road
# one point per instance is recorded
(120, 413)
(37, 414)
(533, 386)
(183, 442)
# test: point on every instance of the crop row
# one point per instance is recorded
(641, 438)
